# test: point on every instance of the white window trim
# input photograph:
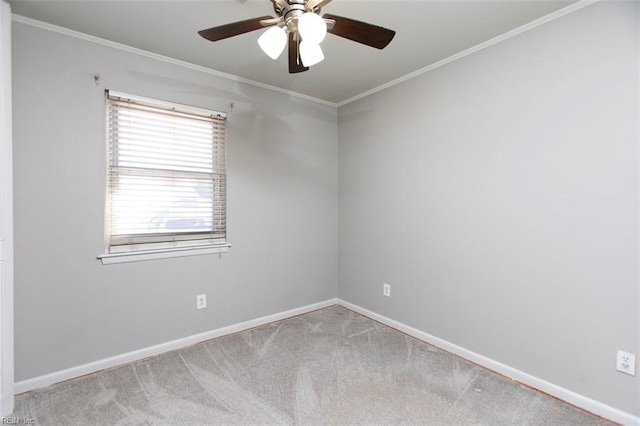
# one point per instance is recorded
(169, 105)
(169, 249)
(141, 255)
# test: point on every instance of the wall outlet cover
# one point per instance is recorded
(201, 301)
(626, 363)
(386, 289)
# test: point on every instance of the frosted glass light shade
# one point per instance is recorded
(310, 53)
(273, 41)
(312, 28)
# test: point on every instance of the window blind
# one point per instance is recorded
(166, 175)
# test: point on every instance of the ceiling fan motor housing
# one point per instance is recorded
(281, 7)
(290, 11)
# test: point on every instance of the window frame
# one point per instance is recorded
(137, 247)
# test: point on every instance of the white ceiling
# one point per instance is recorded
(426, 32)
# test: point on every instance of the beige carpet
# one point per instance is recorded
(331, 366)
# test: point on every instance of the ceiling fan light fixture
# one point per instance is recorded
(312, 28)
(298, 25)
(310, 53)
(273, 41)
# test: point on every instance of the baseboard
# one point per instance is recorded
(92, 367)
(571, 397)
(559, 392)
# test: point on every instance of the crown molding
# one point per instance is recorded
(517, 31)
(123, 47)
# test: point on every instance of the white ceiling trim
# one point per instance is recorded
(77, 34)
(531, 25)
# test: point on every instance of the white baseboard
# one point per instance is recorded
(559, 392)
(92, 367)
(571, 397)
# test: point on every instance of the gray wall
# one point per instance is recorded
(282, 209)
(498, 195)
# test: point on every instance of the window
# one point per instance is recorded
(166, 181)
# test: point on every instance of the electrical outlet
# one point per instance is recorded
(201, 301)
(626, 363)
(386, 289)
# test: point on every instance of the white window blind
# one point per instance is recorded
(166, 175)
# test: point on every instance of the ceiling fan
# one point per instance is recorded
(298, 22)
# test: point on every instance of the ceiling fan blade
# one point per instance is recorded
(233, 29)
(295, 63)
(312, 4)
(371, 35)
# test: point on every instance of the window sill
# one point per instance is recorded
(141, 255)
